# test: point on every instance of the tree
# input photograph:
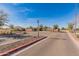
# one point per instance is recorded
(63, 28)
(30, 27)
(34, 29)
(45, 28)
(3, 18)
(41, 27)
(12, 26)
(70, 26)
(55, 26)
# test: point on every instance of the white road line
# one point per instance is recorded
(74, 40)
(28, 47)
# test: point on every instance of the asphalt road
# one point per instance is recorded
(57, 44)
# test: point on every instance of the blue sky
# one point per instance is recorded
(26, 14)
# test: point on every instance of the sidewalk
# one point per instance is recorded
(74, 38)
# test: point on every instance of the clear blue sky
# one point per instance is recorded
(27, 14)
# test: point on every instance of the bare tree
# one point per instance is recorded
(3, 18)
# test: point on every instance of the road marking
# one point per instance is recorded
(73, 39)
(28, 47)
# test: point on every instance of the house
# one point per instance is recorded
(28, 30)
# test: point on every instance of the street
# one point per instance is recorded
(56, 44)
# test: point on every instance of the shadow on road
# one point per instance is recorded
(58, 38)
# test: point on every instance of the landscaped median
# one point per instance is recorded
(16, 46)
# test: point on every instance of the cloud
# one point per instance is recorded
(25, 9)
(21, 9)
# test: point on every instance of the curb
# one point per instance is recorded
(20, 47)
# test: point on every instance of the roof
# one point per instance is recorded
(5, 26)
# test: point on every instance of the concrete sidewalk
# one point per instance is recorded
(73, 38)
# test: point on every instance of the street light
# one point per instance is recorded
(38, 27)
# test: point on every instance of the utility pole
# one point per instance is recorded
(38, 27)
(75, 24)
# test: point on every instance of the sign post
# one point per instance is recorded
(38, 27)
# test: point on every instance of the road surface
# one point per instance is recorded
(57, 44)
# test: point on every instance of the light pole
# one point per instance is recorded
(75, 25)
(38, 27)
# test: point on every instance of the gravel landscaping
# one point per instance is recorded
(7, 47)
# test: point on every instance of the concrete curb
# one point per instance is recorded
(20, 47)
